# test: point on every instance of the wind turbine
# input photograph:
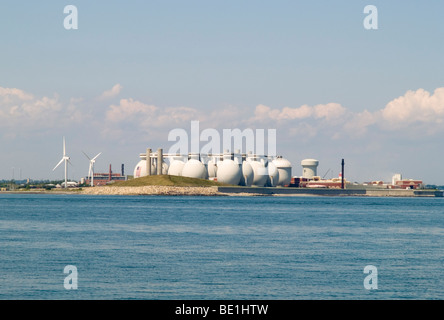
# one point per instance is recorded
(66, 160)
(91, 167)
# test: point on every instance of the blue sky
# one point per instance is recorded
(228, 64)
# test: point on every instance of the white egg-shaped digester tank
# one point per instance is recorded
(273, 175)
(140, 169)
(165, 168)
(260, 173)
(176, 167)
(229, 171)
(212, 169)
(247, 174)
(194, 168)
(284, 168)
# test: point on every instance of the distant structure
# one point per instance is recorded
(236, 168)
(398, 183)
(101, 179)
(396, 177)
(309, 168)
(407, 184)
(65, 159)
(310, 178)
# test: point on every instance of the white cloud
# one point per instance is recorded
(146, 116)
(114, 91)
(358, 123)
(26, 113)
(9, 95)
(19, 106)
(415, 107)
(128, 109)
(329, 111)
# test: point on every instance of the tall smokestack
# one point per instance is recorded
(159, 161)
(123, 170)
(110, 172)
(342, 174)
(148, 161)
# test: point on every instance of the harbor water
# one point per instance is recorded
(195, 247)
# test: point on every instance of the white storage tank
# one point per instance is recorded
(284, 168)
(273, 175)
(309, 168)
(193, 168)
(140, 169)
(176, 167)
(229, 171)
(211, 169)
(260, 173)
(247, 174)
(164, 168)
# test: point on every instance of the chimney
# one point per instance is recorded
(342, 174)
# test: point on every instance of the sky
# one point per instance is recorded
(135, 70)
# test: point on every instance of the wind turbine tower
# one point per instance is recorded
(91, 167)
(66, 160)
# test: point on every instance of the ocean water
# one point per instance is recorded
(252, 248)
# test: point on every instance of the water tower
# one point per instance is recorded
(309, 168)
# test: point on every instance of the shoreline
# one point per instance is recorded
(233, 191)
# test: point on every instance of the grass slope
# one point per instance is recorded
(166, 180)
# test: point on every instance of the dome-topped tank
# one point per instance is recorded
(284, 168)
(140, 169)
(211, 169)
(176, 167)
(273, 175)
(247, 174)
(229, 171)
(260, 173)
(194, 169)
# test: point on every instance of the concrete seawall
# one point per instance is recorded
(331, 192)
(257, 191)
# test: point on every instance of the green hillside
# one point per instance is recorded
(166, 180)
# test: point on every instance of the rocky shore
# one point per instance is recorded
(152, 190)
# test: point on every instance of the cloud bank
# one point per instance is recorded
(414, 110)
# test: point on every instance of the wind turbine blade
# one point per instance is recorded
(90, 171)
(69, 162)
(64, 147)
(97, 156)
(58, 164)
(86, 155)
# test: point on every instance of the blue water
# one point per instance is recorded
(156, 247)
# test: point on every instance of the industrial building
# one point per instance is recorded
(101, 179)
(243, 169)
(231, 168)
(246, 169)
